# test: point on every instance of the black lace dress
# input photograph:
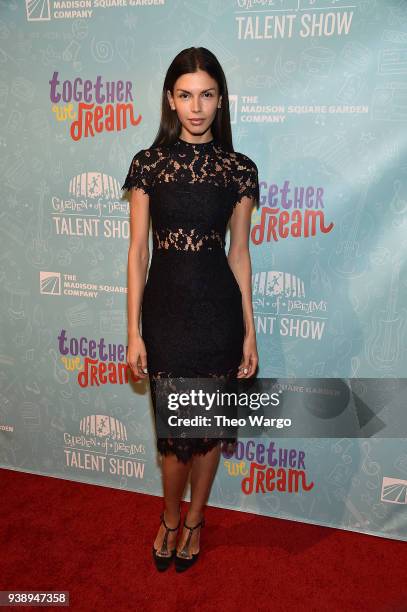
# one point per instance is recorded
(191, 316)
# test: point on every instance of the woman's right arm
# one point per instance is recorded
(137, 264)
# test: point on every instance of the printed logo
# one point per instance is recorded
(38, 10)
(92, 107)
(55, 283)
(50, 283)
(97, 362)
(267, 469)
(233, 105)
(94, 208)
(279, 304)
(94, 185)
(394, 490)
(289, 211)
(102, 446)
(102, 426)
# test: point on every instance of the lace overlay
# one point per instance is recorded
(191, 315)
(187, 163)
(184, 448)
(184, 240)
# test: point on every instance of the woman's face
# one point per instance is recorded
(195, 100)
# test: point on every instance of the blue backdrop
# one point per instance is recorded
(318, 101)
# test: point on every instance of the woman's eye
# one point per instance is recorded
(207, 94)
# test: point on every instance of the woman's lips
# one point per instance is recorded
(196, 121)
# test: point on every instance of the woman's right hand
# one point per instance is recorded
(137, 356)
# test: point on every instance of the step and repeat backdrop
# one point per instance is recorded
(318, 99)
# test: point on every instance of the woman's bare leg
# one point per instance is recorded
(174, 475)
(202, 475)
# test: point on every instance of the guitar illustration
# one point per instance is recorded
(38, 252)
(349, 259)
(383, 347)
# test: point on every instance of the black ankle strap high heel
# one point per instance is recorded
(163, 556)
(183, 560)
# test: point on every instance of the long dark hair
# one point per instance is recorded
(192, 60)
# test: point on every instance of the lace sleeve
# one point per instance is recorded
(139, 175)
(247, 180)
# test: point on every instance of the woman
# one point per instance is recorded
(196, 309)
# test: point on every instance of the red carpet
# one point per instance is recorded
(95, 542)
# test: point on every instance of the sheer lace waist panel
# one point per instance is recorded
(182, 239)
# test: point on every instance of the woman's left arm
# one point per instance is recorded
(240, 264)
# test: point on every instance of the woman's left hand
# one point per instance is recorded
(250, 358)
